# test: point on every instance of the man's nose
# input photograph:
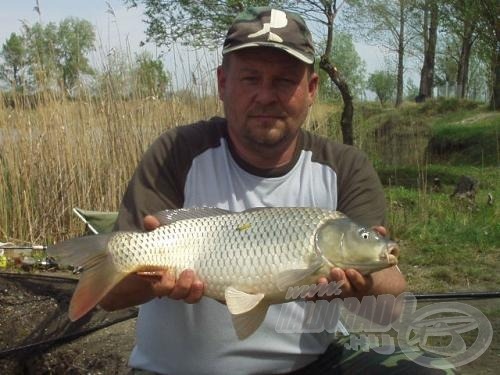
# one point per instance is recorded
(266, 93)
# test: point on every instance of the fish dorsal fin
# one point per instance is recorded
(171, 216)
(239, 302)
(247, 323)
(291, 277)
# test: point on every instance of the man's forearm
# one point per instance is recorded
(388, 281)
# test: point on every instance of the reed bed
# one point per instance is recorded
(66, 153)
(81, 153)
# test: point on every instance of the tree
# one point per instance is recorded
(447, 66)
(430, 11)
(205, 23)
(194, 23)
(385, 22)
(152, 80)
(75, 38)
(56, 54)
(383, 84)
(41, 44)
(348, 61)
(14, 56)
(461, 18)
(489, 35)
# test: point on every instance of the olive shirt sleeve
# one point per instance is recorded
(360, 195)
(154, 185)
(158, 182)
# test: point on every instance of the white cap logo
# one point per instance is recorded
(278, 21)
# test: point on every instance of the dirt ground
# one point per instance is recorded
(33, 313)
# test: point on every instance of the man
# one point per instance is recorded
(257, 156)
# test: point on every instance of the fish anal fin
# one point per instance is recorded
(239, 302)
(246, 324)
(95, 282)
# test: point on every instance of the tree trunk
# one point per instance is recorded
(401, 52)
(463, 63)
(348, 111)
(495, 97)
(430, 41)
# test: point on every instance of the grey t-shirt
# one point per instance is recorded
(194, 166)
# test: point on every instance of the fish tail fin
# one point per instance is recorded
(100, 273)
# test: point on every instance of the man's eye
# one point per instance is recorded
(249, 79)
(287, 81)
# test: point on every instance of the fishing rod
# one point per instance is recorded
(457, 295)
(25, 247)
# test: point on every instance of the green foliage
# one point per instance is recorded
(454, 106)
(55, 55)
(194, 23)
(152, 80)
(383, 84)
(347, 61)
(14, 56)
(411, 90)
(75, 38)
(41, 42)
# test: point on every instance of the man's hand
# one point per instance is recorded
(353, 283)
(187, 287)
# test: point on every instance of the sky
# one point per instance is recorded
(124, 30)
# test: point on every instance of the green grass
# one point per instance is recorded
(448, 244)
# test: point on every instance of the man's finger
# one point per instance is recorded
(338, 275)
(183, 285)
(195, 293)
(358, 281)
(151, 222)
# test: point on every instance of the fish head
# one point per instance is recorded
(345, 244)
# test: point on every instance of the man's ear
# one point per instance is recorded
(313, 87)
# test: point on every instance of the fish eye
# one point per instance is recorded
(364, 234)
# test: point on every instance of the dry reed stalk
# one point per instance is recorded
(82, 153)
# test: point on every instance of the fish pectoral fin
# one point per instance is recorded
(247, 323)
(239, 302)
(291, 277)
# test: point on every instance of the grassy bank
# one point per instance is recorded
(448, 244)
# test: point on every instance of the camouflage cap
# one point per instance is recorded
(267, 27)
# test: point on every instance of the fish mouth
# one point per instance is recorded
(391, 253)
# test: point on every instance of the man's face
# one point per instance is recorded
(267, 94)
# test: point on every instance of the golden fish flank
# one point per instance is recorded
(246, 259)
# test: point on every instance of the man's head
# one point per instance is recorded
(267, 83)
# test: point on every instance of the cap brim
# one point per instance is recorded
(291, 51)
